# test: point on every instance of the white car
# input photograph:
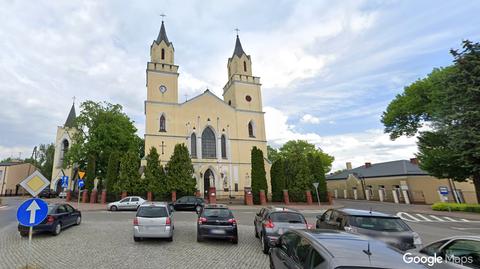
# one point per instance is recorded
(153, 220)
(127, 203)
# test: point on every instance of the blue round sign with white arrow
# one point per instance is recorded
(32, 212)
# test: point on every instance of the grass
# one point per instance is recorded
(456, 207)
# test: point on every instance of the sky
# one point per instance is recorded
(328, 68)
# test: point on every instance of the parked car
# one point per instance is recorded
(153, 220)
(328, 249)
(271, 222)
(60, 216)
(127, 203)
(188, 203)
(217, 221)
(388, 228)
(460, 251)
(47, 193)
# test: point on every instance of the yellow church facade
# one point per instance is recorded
(219, 132)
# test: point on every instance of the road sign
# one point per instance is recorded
(443, 190)
(65, 181)
(35, 183)
(81, 183)
(315, 184)
(81, 174)
(32, 212)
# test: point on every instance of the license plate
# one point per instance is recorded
(216, 231)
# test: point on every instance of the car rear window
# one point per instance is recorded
(217, 213)
(152, 212)
(288, 217)
(379, 223)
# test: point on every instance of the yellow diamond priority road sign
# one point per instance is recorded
(35, 183)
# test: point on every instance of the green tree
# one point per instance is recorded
(180, 172)
(102, 129)
(447, 100)
(154, 174)
(318, 175)
(129, 176)
(259, 179)
(301, 147)
(42, 158)
(112, 170)
(298, 176)
(277, 174)
(272, 154)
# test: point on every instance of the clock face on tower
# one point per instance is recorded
(162, 89)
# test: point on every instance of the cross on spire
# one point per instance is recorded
(73, 98)
(163, 16)
(236, 30)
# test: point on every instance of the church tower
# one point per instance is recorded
(162, 73)
(242, 90)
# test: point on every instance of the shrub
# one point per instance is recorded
(456, 207)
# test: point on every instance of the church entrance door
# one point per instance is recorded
(207, 178)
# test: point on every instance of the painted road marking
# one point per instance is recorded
(464, 229)
(466, 220)
(423, 217)
(437, 218)
(407, 217)
(450, 219)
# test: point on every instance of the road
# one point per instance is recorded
(104, 240)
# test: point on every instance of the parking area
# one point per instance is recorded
(104, 240)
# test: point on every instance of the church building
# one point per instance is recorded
(219, 132)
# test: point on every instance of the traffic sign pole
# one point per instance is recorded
(316, 188)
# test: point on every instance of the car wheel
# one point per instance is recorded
(265, 246)
(170, 239)
(23, 234)
(199, 238)
(78, 221)
(113, 208)
(58, 229)
(136, 239)
(255, 227)
(235, 240)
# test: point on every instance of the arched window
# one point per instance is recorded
(193, 145)
(163, 124)
(251, 130)
(163, 54)
(244, 66)
(209, 145)
(65, 145)
(224, 147)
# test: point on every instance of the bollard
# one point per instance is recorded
(263, 198)
(85, 196)
(69, 196)
(93, 197)
(174, 196)
(248, 197)
(149, 196)
(124, 194)
(308, 194)
(286, 198)
(104, 197)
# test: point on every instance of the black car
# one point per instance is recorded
(47, 193)
(188, 203)
(333, 249)
(59, 217)
(388, 228)
(217, 221)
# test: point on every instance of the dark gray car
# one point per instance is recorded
(271, 222)
(388, 228)
(328, 249)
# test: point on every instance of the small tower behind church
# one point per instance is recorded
(162, 73)
(63, 141)
(242, 90)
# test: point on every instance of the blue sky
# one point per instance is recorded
(328, 68)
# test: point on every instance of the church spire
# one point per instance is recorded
(238, 48)
(162, 35)
(70, 122)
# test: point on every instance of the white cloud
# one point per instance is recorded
(359, 147)
(307, 118)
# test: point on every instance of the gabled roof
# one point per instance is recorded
(238, 49)
(70, 122)
(162, 35)
(206, 93)
(394, 168)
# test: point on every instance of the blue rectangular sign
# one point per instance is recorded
(443, 190)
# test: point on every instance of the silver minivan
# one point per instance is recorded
(153, 220)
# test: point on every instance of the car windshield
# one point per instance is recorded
(152, 212)
(378, 223)
(217, 213)
(288, 217)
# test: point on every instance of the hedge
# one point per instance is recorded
(456, 207)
